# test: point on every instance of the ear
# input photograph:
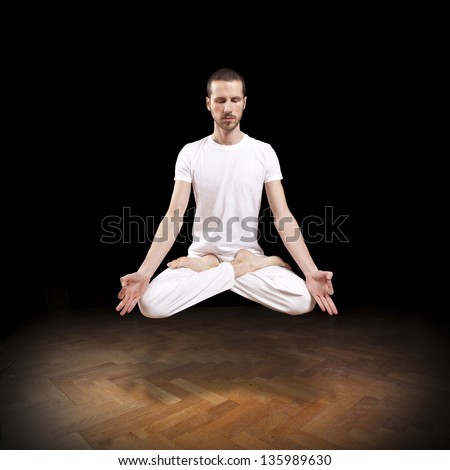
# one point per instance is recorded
(245, 101)
(208, 104)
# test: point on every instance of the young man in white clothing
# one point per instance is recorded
(227, 172)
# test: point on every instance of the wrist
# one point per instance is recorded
(310, 273)
(145, 274)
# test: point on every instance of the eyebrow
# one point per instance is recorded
(232, 98)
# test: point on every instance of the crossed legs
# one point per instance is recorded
(267, 280)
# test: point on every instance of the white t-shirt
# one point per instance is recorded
(227, 181)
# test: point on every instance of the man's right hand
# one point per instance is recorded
(133, 288)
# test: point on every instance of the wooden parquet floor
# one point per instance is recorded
(226, 378)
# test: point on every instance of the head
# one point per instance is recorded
(226, 98)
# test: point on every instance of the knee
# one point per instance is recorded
(300, 304)
(150, 312)
(152, 308)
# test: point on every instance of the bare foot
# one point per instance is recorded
(246, 262)
(196, 264)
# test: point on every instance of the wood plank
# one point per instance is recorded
(158, 392)
(199, 391)
(226, 378)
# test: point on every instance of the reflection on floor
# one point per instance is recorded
(226, 378)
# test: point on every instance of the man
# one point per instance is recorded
(227, 172)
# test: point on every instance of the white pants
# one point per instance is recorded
(177, 289)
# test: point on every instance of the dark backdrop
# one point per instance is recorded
(96, 109)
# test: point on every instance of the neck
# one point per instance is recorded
(227, 138)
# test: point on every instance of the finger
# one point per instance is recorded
(131, 304)
(329, 275)
(326, 307)
(330, 288)
(320, 304)
(123, 292)
(331, 307)
(122, 306)
(125, 308)
(172, 264)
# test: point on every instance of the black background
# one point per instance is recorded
(97, 103)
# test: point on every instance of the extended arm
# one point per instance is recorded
(318, 282)
(134, 285)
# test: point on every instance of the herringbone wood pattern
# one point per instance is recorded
(226, 378)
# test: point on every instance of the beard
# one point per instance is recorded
(227, 125)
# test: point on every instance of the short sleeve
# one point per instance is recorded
(273, 170)
(183, 167)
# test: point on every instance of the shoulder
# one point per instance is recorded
(192, 147)
(260, 144)
(262, 148)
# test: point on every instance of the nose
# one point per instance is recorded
(227, 107)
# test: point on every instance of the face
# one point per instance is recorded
(226, 103)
